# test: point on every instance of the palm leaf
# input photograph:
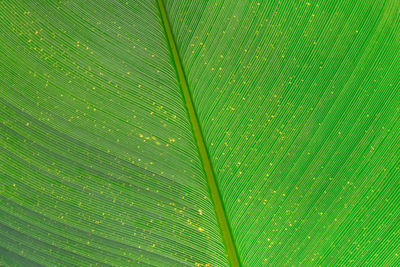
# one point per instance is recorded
(207, 133)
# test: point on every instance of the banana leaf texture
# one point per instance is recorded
(199, 133)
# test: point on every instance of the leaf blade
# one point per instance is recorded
(288, 94)
(99, 160)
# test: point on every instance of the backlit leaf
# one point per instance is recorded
(200, 133)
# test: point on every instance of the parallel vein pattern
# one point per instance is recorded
(98, 164)
(299, 104)
(299, 107)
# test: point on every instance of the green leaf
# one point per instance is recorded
(206, 133)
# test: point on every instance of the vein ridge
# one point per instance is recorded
(198, 135)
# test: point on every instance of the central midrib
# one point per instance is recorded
(198, 135)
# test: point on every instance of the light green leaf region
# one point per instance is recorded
(199, 133)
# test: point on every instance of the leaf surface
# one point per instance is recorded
(218, 133)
